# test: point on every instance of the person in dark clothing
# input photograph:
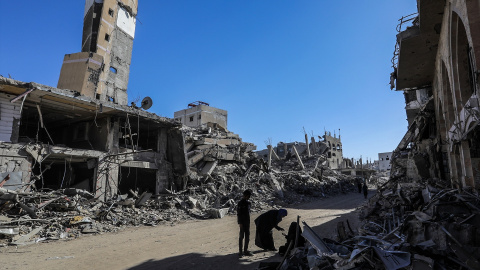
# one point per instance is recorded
(243, 219)
(359, 184)
(292, 234)
(265, 224)
(365, 189)
(288, 156)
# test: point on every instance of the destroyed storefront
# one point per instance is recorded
(54, 139)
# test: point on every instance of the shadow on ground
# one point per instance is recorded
(232, 261)
(350, 200)
(204, 261)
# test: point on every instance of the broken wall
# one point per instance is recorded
(201, 115)
(15, 164)
(80, 72)
(9, 118)
(108, 32)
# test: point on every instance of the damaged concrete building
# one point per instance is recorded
(55, 138)
(201, 114)
(435, 64)
(335, 152)
(83, 135)
(384, 161)
(101, 70)
(327, 145)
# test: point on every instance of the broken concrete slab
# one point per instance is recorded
(217, 213)
(143, 199)
(209, 167)
(23, 240)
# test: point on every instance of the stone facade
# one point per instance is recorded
(440, 52)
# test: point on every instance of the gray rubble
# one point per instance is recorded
(405, 225)
(221, 167)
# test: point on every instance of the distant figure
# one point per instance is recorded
(243, 219)
(265, 224)
(365, 189)
(359, 184)
(288, 156)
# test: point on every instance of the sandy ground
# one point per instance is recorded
(206, 244)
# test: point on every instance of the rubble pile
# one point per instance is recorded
(406, 225)
(206, 147)
(439, 225)
(31, 217)
(315, 180)
(221, 167)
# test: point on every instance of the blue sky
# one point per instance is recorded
(276, 66)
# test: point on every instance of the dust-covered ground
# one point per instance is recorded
(202, 244)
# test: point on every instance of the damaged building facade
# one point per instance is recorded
(101, 70)
(327, 145)
(82, 135)
(53, 138)
(201, 114)
(435, 64)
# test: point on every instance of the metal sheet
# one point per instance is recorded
(393, 259)
(318, 244)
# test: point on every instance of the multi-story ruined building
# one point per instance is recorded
(200, 114)
(83, 136)
(101, 70)
(435, 64)
(327, 145)
(335, 152)
(384, 161)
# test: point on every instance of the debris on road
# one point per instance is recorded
(406, 225)
(221, 167)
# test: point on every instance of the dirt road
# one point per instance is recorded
(207, 244)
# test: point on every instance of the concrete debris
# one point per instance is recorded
(437, 224)
(220, 167)
(406, 225)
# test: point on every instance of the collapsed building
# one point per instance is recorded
(54, 138)
(427, 215)
(82, 134)
(327, 145)
(201, 114)
(76, 159)
(101, 70)
(435, 65)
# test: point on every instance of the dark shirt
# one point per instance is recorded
(243, 212)
(268, 220)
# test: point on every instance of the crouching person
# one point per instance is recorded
(265, 224)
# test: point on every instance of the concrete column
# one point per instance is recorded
(467, 172)
(269, 161)
(298, 157)
(107, 179)
(314, 146)
(274, 154)
(308, 145)
(107, 168)
(453, 161)
(162, 172)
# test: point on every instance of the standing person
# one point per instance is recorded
(359, 184)
(365, 189)
(265, 224)
(243, 219)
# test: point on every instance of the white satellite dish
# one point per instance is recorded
(147, 103)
